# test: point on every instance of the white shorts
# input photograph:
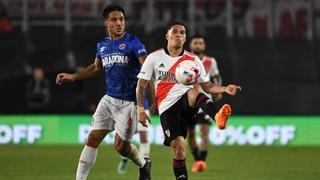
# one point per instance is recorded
(115, 114)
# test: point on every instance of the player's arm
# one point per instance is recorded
(149, 89)
(209, 87)
(217, 80)
(92, 70)
(140, 93)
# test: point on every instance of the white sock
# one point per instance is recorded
(145, 149)
(87, 159)
(136, 156)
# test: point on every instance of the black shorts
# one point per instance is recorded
(201, 118)
(175, 120)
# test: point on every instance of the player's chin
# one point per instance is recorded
(119, 32)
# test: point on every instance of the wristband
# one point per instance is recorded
(140, 109)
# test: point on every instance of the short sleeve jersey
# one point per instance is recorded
(211, 67)
(162, 66)
(120, 59)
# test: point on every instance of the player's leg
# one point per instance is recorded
(144, 147)
(179, 158)
(204, 133)
(101, 125)
(125, 127)
(126, 149)
(197, 99)
(193, 147)
(192, 143)
(175, 127)
(89, 153)
(123, 165)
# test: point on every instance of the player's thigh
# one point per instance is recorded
(102, 118)
(125, 117)
(95, 137)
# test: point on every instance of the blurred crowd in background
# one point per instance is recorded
(270, 47)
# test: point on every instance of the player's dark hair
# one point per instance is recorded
(176, 23)
(196, 36)
(113, 7)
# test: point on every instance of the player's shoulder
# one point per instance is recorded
(157, 52)
(191, 55)
(132, 38)
(206, 57)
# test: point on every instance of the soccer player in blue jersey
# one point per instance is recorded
(119, 55)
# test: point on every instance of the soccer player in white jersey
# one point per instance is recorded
(119, 55)
(178, 103)
(198, 46)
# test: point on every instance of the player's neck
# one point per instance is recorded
(200, 55)
(175, 52)
(115, 37)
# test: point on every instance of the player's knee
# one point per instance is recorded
(192, 96)
(93, 140)
(179, 151)
(180, 154)
(123, 148)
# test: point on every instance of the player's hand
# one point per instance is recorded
(232, 89)
(64, 78)
(143, 119)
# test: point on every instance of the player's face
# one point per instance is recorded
(197, 45)
(38, 74)
(115, 23)
(176, 36)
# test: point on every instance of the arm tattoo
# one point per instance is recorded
(140, 92)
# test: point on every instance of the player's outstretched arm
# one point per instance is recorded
(90, 71)
(140, 93)
(209, 87)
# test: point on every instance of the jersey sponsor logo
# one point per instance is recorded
(115, 58)
(167, 76)
(122, 46)
(140, 51)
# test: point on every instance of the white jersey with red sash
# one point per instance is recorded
(162, 66)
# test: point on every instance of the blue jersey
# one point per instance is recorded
(121, 65)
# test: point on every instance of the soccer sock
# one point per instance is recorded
(179, 169)
(136, 157)
(195, 153)
(87, 159)
(203, 155)
(145, 149)
(206, 104)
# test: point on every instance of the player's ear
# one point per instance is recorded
(105, 23)
(166, 36)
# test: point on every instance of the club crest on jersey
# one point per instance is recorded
(167, 132)
(122, 46)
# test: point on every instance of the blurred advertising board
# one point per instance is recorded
(242, 130)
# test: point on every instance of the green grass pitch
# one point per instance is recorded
(52, 162)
